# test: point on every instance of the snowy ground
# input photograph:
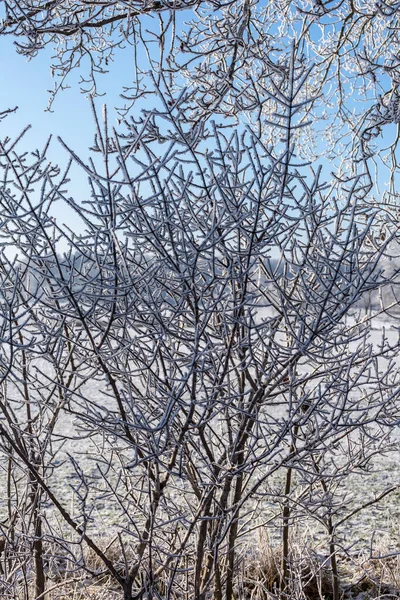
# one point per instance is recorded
(376, 527)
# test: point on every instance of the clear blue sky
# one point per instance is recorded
(26, 83)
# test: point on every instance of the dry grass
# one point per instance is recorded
(373, 578)
(310, 575)
(310, 579)
(259, 574)
(80, 589)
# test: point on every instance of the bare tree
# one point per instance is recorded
(202, 336)
(227, 56)
(194, 357)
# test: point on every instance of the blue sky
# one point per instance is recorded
(26, 83)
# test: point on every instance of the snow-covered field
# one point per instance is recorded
(376, 526)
